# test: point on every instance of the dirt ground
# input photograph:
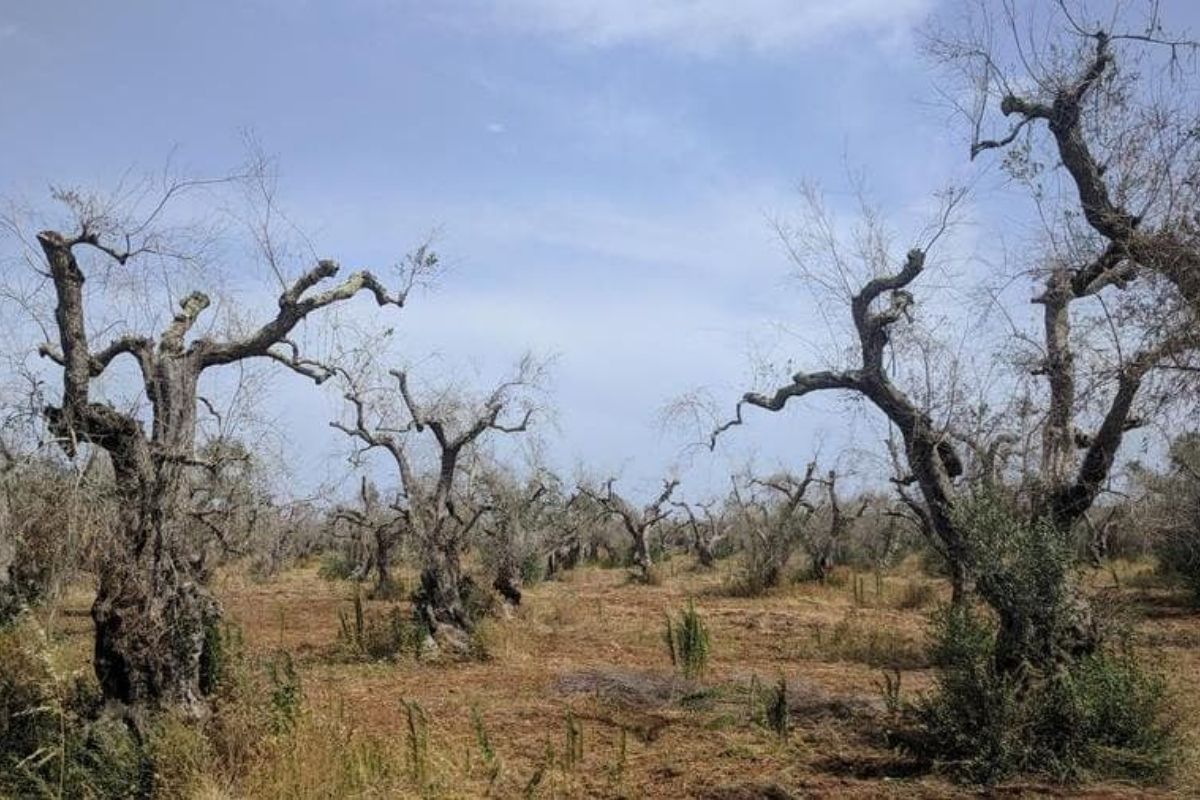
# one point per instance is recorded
(587, 654)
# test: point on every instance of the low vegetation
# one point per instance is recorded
(308, 706)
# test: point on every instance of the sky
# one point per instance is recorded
(601, 175)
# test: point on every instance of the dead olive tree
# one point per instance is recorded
(637, 523)
(13, 593)
(772, 514)
(708, 533)
(569, 540)
(380, 531)
(1131, 270)
(152, 611)
(823, 550)
(1140, 247)
(930, 456)
(453, 425)
(517, 517)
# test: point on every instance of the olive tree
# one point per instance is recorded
(451, 427)
(1119, 258)
(518, 521)
(152, 611)
(708, 530)
(638, 523)
(379, 531)
(772, 514)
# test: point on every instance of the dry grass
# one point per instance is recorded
(587, 655)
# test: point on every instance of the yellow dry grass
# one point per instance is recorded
(596, 626)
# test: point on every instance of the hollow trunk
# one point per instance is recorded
(152, 613)
(440, 595)
(153, 620)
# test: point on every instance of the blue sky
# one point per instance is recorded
(601, 174)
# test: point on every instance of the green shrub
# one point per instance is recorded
(181, 755)
(769, 706)
(777, 712)
(243, 715)
(687, 642)
(1178, 552)
(287, 694)
(532, 568)
(1101, 716)
(336, 566)
(1028, 574)
(1040, 686)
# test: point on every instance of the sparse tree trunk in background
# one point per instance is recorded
(512, 513)
(823, 557)
(385, 541)
(932, 459)
(705, 534)
(152, 611)
(1097, 542)
(380, 533)
(779, 528)
(10, 600)
(637, 524)
(568, 549)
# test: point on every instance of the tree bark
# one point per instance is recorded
(642, 558)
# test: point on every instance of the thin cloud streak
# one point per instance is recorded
(707, 27)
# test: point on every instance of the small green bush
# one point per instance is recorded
(532, 568)
(52, 744)
(777, 712)
(687, 642)
(336, 566)
(287, 693)
(378, 635)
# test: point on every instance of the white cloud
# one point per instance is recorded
(7, 30)
(496, 127)
(707, 26)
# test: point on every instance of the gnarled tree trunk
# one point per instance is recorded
(152, 612)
